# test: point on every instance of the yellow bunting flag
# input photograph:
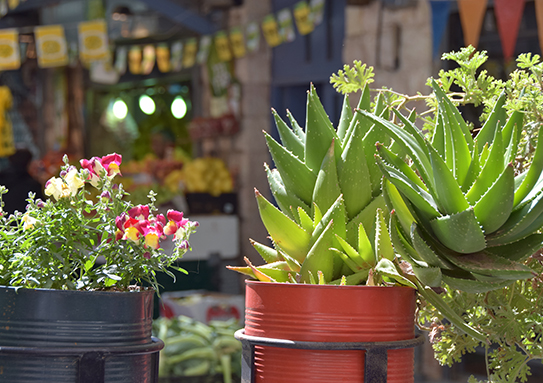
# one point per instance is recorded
(189, 53)
(302, 15)
(10, 57)
(13, 4)
(51, 46)
(472, 13)
(93, 43)
(163, 57)
(222, 46)
(134, 60)
(148, 62)
(176, 54)
(270, 29)
(7, 146)
(237, 42)
(120, 59)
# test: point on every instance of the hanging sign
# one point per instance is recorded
(472, 13)
(237, 42)
(51, 46)
(286, 26)
(508, 17)
(189, 53)
(222, 46)
(302, 16)
(93, 42)
(440, 16)
(317, 11)
(163, 57)
(270, 29)
(253, 37)
(203, 51)
(134, 59)
(120, 59)
(9, 49)
(176, 53)
(148, 62)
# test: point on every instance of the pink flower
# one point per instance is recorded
(139, 212)
(112, 163)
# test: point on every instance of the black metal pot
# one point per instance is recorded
(77, 336)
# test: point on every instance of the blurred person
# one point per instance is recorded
(19, 182)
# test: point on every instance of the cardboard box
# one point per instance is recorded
(203, 305)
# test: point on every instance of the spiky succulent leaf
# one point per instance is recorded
(295, 174)
(383, 245)
(296, 128)
(460, 232)
(320, 257)
(495, 206)
(354, 176)
(319, 132)
(495, 120)
(284, 231)
(345, 118)
(532, 175)
(289, 139)
(366, 217)
(268, 254)
(327, 188)
(520, 250)
(288, 202)
(474, 285)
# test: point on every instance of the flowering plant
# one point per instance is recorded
(75, 242)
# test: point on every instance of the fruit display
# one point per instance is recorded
(207, 175)
(192, 348)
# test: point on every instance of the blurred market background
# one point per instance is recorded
(183, 89)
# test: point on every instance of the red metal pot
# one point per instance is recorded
(324, 313)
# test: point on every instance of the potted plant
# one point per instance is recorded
(467, 212)
(78, 274)
(331, 273)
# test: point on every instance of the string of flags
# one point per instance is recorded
(472, 12)
(52, 49)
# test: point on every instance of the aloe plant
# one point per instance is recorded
(461, 215)
(330, 223)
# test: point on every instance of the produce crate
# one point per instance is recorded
(204, 203)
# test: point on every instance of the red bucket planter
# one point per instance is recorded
(324, 313)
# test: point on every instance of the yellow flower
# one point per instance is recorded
(74, 181)
(57, 188)
(132, 234)
(29, 222)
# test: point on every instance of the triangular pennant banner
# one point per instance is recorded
(163, 57)
(508, 17)
(440, 16)
(134, 59)
(302, 15)
(237, 42)
(223, 46)
(176, 53)
(270, 28)
(286, 26)
(472, 13)
(189, 52)
(148, 61)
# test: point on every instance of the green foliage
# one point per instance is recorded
(73, 241)
(351, 80)
(510, 318)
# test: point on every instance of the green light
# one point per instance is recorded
(120, 110)
(147, 105)
(179, 107)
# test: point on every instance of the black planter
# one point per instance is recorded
(77, 337)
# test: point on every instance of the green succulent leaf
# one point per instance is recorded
(430, 276)
(320, 257)
(473, 285)
(268, 254)
(460, 232)
(496, 119)
(327, 188)
(386, 268)
(345, 118)
(305, 220)
(366, 217)
(532, 175)
(512, 133)
(296, 128)
(354, 177)
(288, 202)
(365, 250)
(289, 139)
(520, 250)
(319, 132)
(383, 245)
(295, 174)
(449, 196)
(424, 246)
(285, 233)
(351, 264)
(495, 206)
